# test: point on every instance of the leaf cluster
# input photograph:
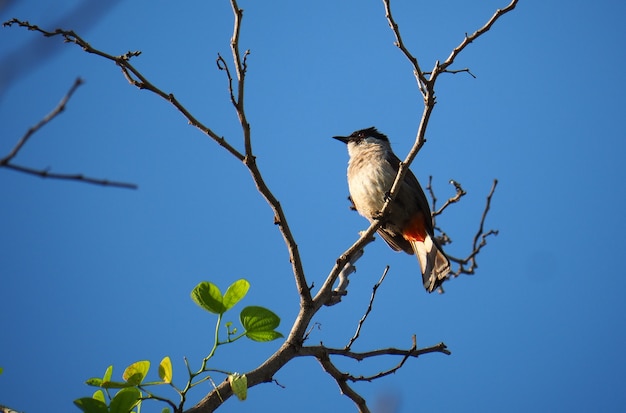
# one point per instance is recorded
(258, 324)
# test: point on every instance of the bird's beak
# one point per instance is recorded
(343, 139)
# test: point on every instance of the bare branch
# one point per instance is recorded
(480, 240)
(424, 83)
(460, 193)
(360, 356)
(55, 112)
(132, 75)
(250, 160)
(391, 370)
(417, 71)
(45, 173)
(342, 287)
(454, 72)
(485, 211)
(222, 65)
(323, 356)
(240, 69)
(469, 39)
(369, 309)
(342, 382)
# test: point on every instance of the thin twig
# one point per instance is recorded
(459, 193)
(53, 114)
(485, 211)
(442, 68)
(391, 370)
(417, 71)
(222, 65)
(369, 309)
(480, 240)
(454, 72)
(45, 173)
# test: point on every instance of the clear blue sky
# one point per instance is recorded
(92, 276)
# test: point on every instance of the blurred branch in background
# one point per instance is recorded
(33, 54)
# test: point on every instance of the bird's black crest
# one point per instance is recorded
(373, 132)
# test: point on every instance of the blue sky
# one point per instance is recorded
(92, 276)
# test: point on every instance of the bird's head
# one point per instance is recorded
(360, 139)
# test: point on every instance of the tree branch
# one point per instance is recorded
(460, 193)
(360, 356)
(133, 76)
(55, 112)
(322, 354)
(469, 39)
(480, 240)
(250, 160)
(417, 71)
(342, 382)
(368, 311)
(45, 173)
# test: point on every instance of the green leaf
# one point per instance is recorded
(165, 370)
(165, 410)
(94, 381)
(235, 293)
(115, 385)
(90, 405)
(255, 318)
(99, 395)
(108, 374)
(125, 400)
(239, 384)
(209, 297)
(259, 323)
(136, 372)
(1, 370)
(263, 336)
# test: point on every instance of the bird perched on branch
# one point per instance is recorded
(408, 227)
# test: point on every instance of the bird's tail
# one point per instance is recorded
(434, 264)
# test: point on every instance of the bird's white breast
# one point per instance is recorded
(370, 177)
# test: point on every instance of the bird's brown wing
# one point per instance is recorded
(395, 241)
(413, 185)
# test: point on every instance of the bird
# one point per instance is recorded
(408, 227)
